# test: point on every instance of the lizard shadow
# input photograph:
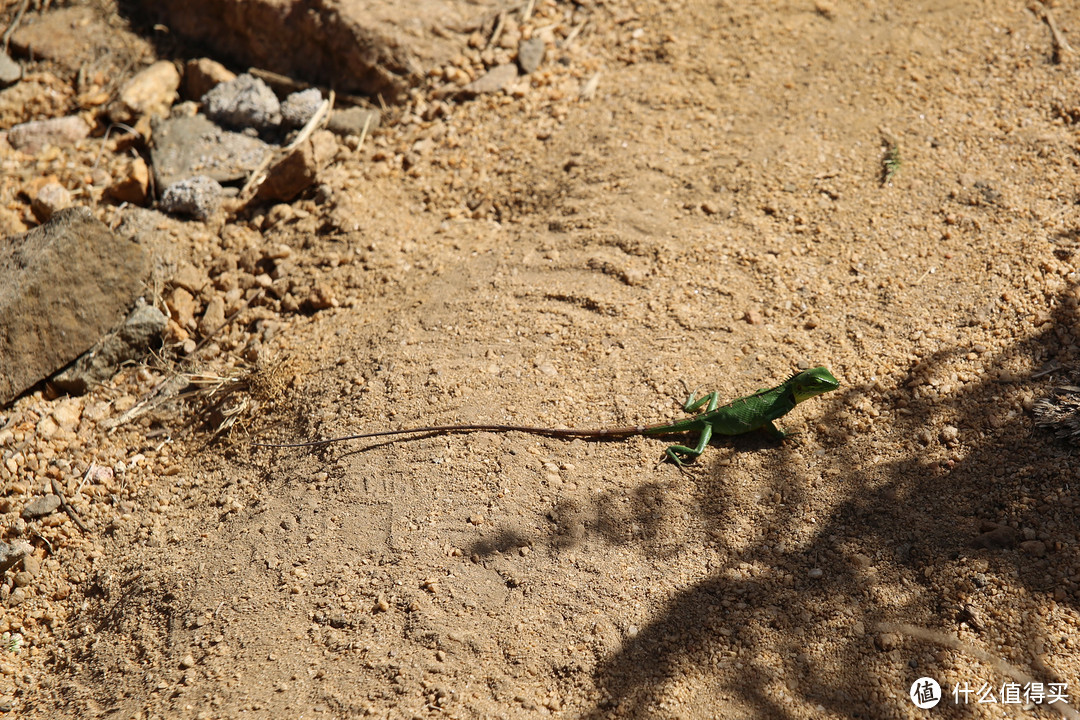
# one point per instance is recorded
(638, 514)
(812, 580)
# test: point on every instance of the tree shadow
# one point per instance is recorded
(925, 538)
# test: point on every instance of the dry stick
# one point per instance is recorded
(14, 24)
(574, 33)
(146, 404)
(105, 140)
(993, 661)
(314, 122)
(1052, 367)
(527, 12)
(363, 133)
(59, 490)
(258, 174)
(1062, 49)
(276, 81)
(497, 31)
(588, 90)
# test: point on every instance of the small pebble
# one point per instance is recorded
(32, 136)
(816, 573)
(530, 54)
(493, 81)
(300, 107)
(50, 198)
(198, 196)
(10, 71)
(244, 102)
(31, 565)
(41, 506)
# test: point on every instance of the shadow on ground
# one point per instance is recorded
(914, 526)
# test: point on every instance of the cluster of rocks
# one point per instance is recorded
(215, 138)
(193, 138)
(195, 157)
(105, 263)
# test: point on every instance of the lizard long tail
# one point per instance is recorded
(552, 432)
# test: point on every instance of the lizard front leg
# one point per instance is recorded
(774, 432)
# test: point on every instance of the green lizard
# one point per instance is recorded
(753, 412)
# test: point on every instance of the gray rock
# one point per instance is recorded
(300, 107)
(189, 146)
(11, 554)
(10, 71)
(129, 342)
(351, 121)
(41, 506)
(66, 283)
(530, 54)
(493, 81)
(244, 102)
(31, 137)
(198, 197)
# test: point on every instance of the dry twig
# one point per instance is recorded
(59, 490)
(1062, 49)
(14, 23)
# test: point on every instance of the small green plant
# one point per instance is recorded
(12, 642)
(891, 164)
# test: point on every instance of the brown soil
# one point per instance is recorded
(717, 213)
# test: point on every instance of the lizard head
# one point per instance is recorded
(811, 383)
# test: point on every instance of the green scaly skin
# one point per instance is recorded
(758, 411)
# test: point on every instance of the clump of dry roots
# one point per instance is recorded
(219, 402)
(1060, 412)
(229, 399)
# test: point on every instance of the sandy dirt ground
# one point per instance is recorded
(688, 195)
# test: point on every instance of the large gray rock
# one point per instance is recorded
(188, 146)
(64, 285)
(356, 46)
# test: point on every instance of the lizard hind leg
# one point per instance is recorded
(690, 453)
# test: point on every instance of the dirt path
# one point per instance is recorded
(716, 214)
